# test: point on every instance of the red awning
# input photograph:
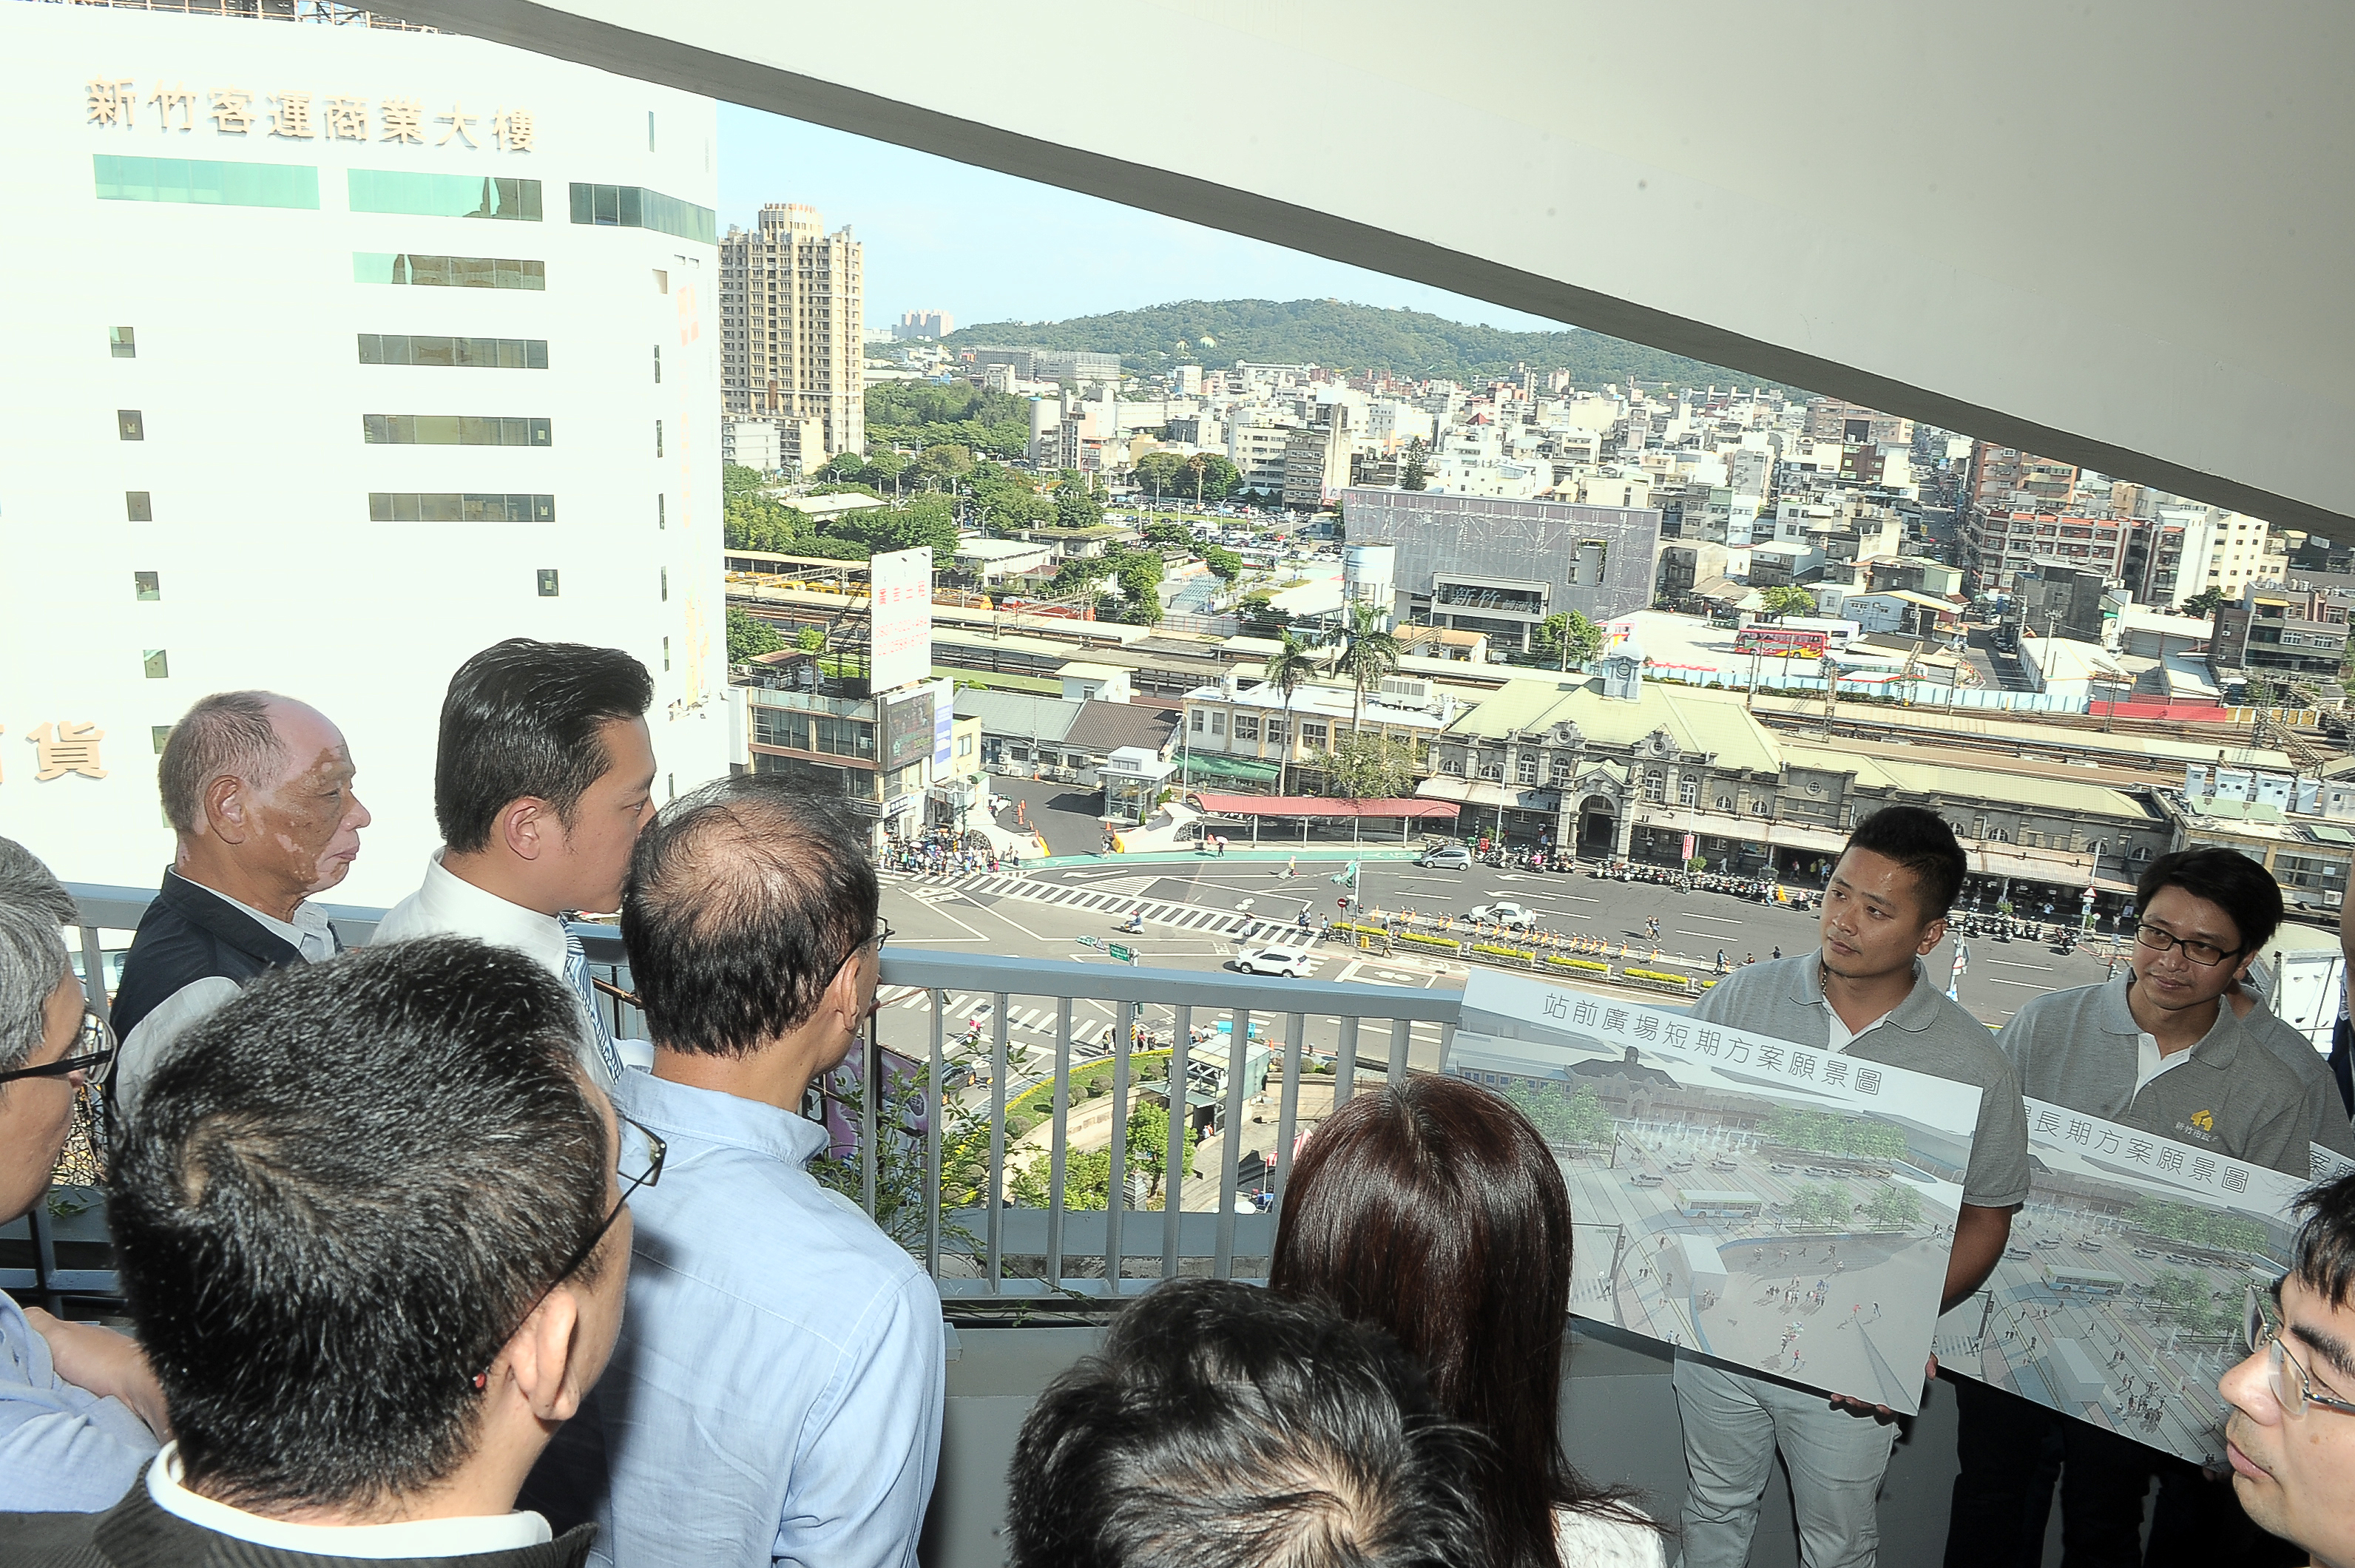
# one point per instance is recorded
(1313, 805)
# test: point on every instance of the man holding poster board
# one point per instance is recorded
(2155, 1050)
(1865, 995)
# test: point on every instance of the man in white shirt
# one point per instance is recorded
(361, 1357)
(258, 788)
(543, 777)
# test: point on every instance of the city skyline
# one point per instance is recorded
(915, 209)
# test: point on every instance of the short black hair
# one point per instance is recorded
(2322, 1255)
(2234, 883)
(743, 900)
(336, 1201)
(1227, 1426)
(1923, 843)
(524, 718)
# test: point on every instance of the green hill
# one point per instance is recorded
(1408, 344)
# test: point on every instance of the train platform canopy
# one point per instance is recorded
(1319, 807)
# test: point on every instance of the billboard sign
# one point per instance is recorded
(944, 725)
(899, 585)
(908, 728)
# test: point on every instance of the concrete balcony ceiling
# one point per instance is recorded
(2112, 233)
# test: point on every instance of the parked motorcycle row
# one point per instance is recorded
(1755, 889)
(1998, 928)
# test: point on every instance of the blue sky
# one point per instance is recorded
(987, 247)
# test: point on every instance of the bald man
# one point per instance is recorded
(258, 788)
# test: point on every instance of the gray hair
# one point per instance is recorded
(228, 732)
(33, 906)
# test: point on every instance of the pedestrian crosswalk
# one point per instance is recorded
(1100, 900)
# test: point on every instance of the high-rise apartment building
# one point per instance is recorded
(369, 349)
(921, 324)
(793, 298)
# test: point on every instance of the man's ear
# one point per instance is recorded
(539, 1357)
(227, 805)
(524, 826)
(1932, 934)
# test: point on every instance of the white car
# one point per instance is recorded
(1295, 962)
(1506, 912)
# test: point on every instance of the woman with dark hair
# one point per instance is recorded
(1434, 1209)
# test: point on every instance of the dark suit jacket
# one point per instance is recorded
(135, 1533)
(187, 935)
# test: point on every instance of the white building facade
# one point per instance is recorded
(360, 350)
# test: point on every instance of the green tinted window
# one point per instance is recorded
(447, 271)
(633, 206)
(444, 195)
(204, 183)
(449, 507)
(454, 429)
(483, 353)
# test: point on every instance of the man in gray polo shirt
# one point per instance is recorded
(1866, 993)
(2298, 1053)
(2158, 1049)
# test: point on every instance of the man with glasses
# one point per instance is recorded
(2290, 1439)
(78, 1409)
(776, 1394)
(372, 1228)
(2159, 1050)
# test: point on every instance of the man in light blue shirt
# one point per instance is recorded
(776, 1394)
(75, 1399)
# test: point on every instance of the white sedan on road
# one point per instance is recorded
(1504, 912)
(1297, 962)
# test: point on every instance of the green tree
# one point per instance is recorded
(735, 479)
(1288, 669)
(748, 636)
(2205, 603)
(1076, 506)
(947, 462)
(1224, 564)
(1894, 1207)
(923, 520)
(1825, 1204)
(1786, 599)
(1157, 473)
(1178, 535)
(810, 639)
(1570, 636)
(958, 413)
(1371, 767)
(1414, 474)
(1367, 652)
(1139, 576)
(1210, 477)
(751, 520)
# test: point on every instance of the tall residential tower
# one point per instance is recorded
(793, 300)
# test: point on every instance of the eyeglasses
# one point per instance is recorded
(633, 1170)
(95, 1048)
(876, 941)
(2286, 1377)
(2207, 954)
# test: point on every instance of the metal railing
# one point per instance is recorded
(951, 1149)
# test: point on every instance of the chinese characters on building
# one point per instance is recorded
(60, 747)
(117, 102)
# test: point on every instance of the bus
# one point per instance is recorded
(2066, 1277)
(1781, 641)
(1695, 1204)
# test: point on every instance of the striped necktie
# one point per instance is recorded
(576, 971)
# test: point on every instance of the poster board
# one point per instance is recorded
(1770, 1206)
(2119, 1299)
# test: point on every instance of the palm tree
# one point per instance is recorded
(1288, 669)
(1369, 651)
